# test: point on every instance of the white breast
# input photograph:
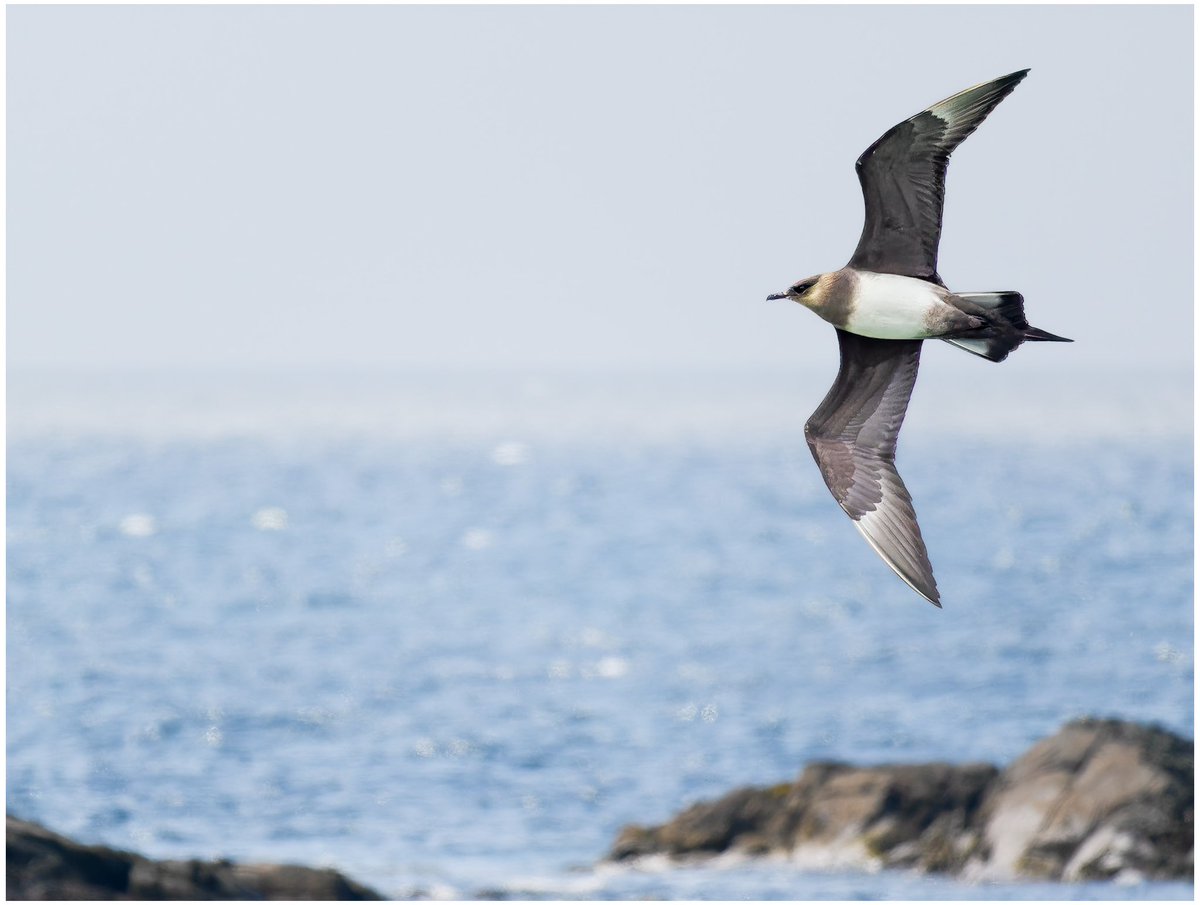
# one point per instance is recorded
(887, 306)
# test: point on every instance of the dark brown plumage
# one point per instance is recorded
(903, 178)
(852, 436)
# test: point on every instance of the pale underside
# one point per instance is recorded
(888, 306)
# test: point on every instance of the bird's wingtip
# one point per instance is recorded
(1012, 78)
(930, 593)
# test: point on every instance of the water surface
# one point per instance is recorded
(449, 635)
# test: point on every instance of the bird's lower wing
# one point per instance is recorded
(852, 435)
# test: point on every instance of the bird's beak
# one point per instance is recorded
(776, 295)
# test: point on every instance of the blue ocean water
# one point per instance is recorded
(452, 643)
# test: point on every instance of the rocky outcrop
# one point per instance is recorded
(1099, 799)
(45, 865)
(835, 815)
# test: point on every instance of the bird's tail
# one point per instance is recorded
(1006, 328)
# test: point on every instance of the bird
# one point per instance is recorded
(884, 304)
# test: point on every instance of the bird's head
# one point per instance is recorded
(798, 292)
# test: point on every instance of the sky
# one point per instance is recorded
(580, 187)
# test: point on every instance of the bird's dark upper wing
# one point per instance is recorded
(903, 178)
(852, 435)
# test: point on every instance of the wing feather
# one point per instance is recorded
(903, 177)
(852, 436)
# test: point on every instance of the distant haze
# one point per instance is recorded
(571, 186)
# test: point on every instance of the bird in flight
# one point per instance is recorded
(884, 303)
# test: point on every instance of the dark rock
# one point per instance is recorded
(913, 816)
(834, 814)
(290, 881)
(45, 865)
(1099, 799)
(737, 819)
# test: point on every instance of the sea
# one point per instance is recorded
(449, 632)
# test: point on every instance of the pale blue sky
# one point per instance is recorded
(594, 186)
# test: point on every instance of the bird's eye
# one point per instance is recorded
(801, 288)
